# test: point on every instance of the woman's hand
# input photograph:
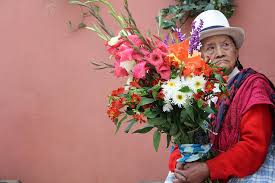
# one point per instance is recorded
(191, 173)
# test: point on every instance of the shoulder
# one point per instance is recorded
(256, 89)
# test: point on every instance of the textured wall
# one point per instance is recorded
(52, 103)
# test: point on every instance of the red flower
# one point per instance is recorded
(140, 118)
(135, 98)
(113, 112)
(134, 84)
(160, 95)
(198, 96)
(118, 103)
(117, 92)
(114, 109)
(209, 86)
(155, 82)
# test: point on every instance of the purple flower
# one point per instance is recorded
(195, 37)
(181, 36)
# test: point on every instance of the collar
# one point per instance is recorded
(233, 73)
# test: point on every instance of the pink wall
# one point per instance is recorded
(53, 122)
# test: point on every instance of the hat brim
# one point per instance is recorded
(236, 33)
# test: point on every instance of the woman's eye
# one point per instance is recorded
(211, 48)
(226, 45)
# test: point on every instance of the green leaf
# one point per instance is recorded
(223, 2)
(155, 90)
(156, 139)
(174, 74)
(190, 113)
(223, 88)
(156, 121)
(164, 12)
(144, 130)
(169, 118)
(145, 101)
(166, 24)
(174, 9)
(174, 129)
(185, 89)
(190, 124)
(118, 124)
(210, 6)
(218, 77)
(131, 123)
(200, 103)
(168, 140)
(183, 116)
(209, 110)
(115, 121)
(150, 114)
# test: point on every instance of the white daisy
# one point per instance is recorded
(196, 83)
(171, 86)
(179, 98)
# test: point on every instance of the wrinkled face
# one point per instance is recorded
(221, 50)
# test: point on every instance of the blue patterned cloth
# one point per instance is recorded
(266, 174)
(189, 153)
(192, 152)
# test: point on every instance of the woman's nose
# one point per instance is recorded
(219, 52)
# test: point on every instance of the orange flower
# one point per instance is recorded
(180, 50)
(196, 66)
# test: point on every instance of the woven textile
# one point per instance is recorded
(266, 174)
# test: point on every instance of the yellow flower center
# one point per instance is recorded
(197, 84)
(180, 97)
(171, 84)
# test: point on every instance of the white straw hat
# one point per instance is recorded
(215, 23)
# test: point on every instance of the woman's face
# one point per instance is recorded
(221, 50)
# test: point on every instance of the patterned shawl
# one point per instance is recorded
(247, 88)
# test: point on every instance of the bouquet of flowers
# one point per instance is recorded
(170, 88)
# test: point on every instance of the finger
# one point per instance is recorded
(177, 181)
(180, 176)
(179, 165)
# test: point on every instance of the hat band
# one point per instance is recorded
(212, 27)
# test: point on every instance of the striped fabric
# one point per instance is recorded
(266, 174)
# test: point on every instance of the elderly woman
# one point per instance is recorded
(244, 143)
